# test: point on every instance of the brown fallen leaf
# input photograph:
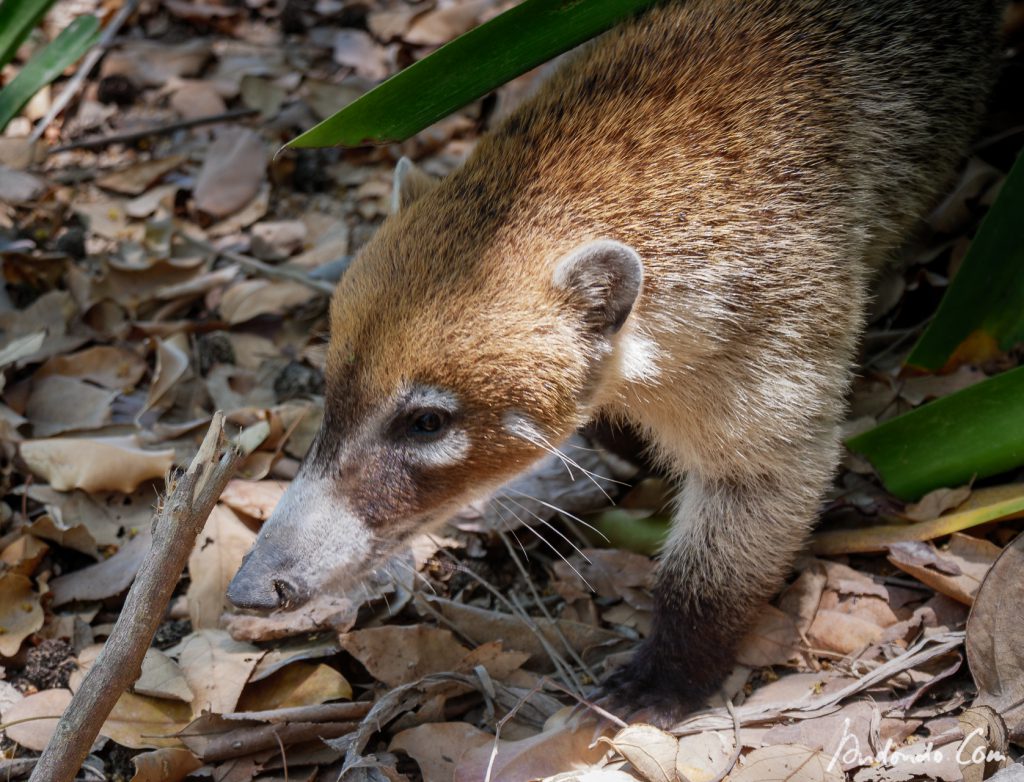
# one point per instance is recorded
(650, 750)
(106, 578)
(213, 563)
(396, 655)
(61, 404)
(995, 639)
(786, 764)
(562, 746)
(94, 464)
(34, 730)
(843, 633)
(153, 64)
(773, 640)
(21, 614)
(298, 684)
(248, 299)
(162, 677)
(172, 362)
(77, 537)
(253, 498)
(111, 367)
(956, 572)
(935, 503)
(137, 178)
(232, 173)
(437, 747)
(216, 668)
(356, 49)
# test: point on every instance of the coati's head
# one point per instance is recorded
(457, 358)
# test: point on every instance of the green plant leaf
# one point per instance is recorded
(971, 434)
(467, 68)
(47, 65)
(17, 18)
(982, 313)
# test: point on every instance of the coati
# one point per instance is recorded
(675, 232)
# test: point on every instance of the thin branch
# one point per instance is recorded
(259, 267)
(91, 58)
(97, 142)
(176, 527)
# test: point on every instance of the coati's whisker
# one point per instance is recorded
(553, 528)
(555, 508)
(549, 544)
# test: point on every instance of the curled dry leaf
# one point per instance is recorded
(956, 572)
(652, 752)
(232, 173)
(995, 638)
(213, 563)
(172, 362)
(153, 64)
(398, 655)
(250, 298)
(95, 464)
(35, 731)
(356, 49)
(787, 764)
(20, 612)
(773, 640)
(935, 503)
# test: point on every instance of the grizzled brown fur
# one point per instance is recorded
(676, 231)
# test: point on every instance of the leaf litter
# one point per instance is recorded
(148, 283)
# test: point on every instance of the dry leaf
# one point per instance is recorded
(956, 572)
(299, 684)
(139, 177)
(216, 668)
(786, 764)
(652, 752)
(773, 640)
(398, 655)
(35, 733)
(94, 464)
(105, 579)
(213, 563)
(63, 404)
(162, 678)
(250, 298)
(232, 173)
(935, 503)
(111, 367)
(995, 638)
(436, 747)
(20, 612)
(253, 498)
(153, 64)
(356, 49)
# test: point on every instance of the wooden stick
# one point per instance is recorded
(177, 525)
(95, 142)
(283, 272)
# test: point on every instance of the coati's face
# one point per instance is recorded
(444, 380)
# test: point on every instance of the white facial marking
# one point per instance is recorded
(450, 449)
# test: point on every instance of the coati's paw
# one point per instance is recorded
(635, 693)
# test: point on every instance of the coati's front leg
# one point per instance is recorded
(732, 543)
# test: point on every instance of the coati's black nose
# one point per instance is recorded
(264, 591)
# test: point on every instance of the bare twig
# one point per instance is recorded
(737, 744)
(176, 527)
(91, 58)
(261, 268)
(96, 142)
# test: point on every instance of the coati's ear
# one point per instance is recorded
(605, 278)
(409, 184)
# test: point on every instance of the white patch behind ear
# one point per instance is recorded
(409, 183)
(606, 276)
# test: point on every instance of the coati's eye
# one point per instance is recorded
(428, 423)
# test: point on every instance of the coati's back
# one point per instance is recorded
(676, 231)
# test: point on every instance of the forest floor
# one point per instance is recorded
(132, 308)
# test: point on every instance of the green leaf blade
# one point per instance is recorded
(17, 19)
(47, 64)
(973, 433)
(982, 313)
(467, 68)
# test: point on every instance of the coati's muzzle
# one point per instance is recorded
(310, 539)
